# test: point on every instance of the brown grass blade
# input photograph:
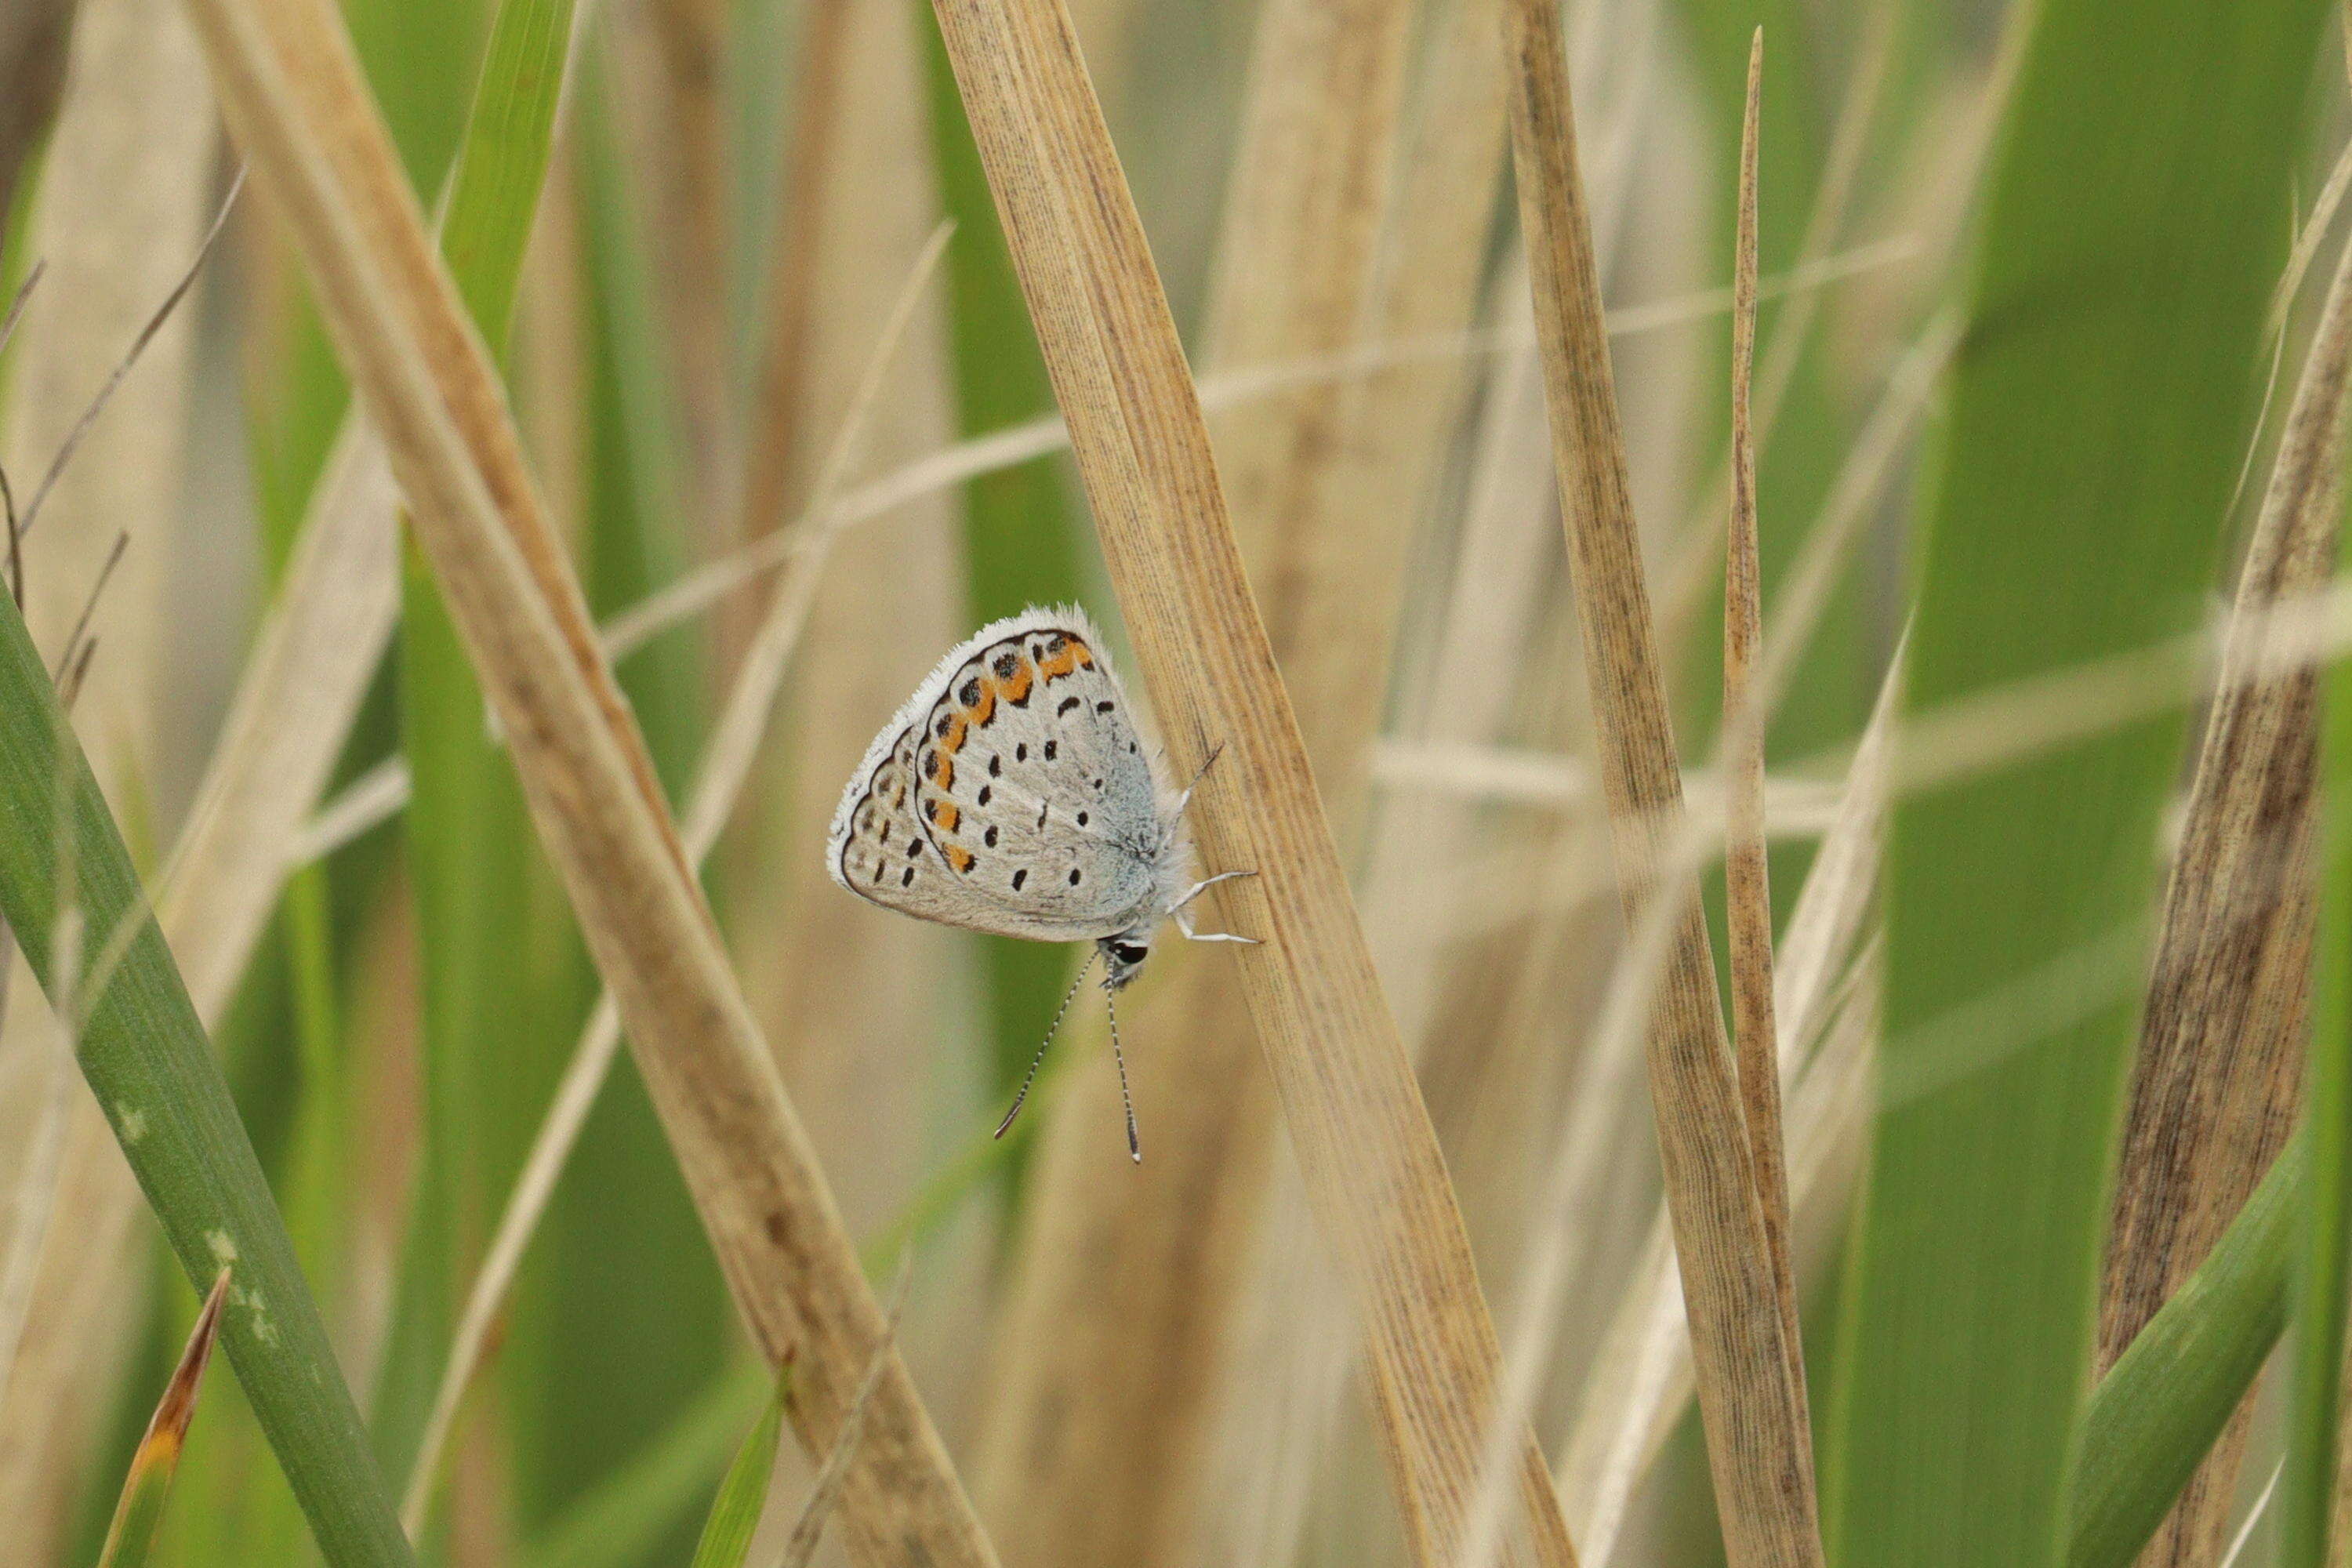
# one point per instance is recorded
(1748, 889)
(1761, 1456)
(1641, 1376)
(2217, 1076)
(285, 71)
(1123, 1306)
(1370, 1161)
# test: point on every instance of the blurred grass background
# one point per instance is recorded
(682, 286)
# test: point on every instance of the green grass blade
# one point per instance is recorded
(2315, 1420)
(2099, 409)
(131, 1537)
(2153, 1416)
(735, 1513)
(153, 1072)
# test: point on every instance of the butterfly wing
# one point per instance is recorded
(1020, 801)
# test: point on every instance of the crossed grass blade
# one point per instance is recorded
(1373, 1171)
(285, 72)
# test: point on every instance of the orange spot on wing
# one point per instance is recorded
(1015, 687)
(979, 711)
(959, 858)
(952, 742)
(943, 772)
(1072, 654)
(944, 816)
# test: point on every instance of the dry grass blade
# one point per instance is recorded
(157, 1459)
(719, 786)
(285, 71)
(1641, 1376)
(2217, 1076)
(1761, 1456)
(1124, 1306)
(1747, 889)
(1370, 1161)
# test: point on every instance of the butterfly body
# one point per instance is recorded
(1012, 793)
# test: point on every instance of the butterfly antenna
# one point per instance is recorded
(1051, 1030)
(1127, 1101)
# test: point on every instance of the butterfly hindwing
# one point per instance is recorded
(1023, 776)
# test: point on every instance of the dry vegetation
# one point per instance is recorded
(555, 478)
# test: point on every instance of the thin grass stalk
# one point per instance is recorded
(285, 68)
(1792, 335)
(1124, 1306)
(707, 584)
(1760, 1456)
(131, 1536)
(1747, 876)
(727, 764)
(2216, 1082)
(1363, 1139)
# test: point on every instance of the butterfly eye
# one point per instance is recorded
(1127, 952)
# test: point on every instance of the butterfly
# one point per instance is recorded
(1012, 795)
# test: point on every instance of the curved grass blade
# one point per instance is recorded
(149, 1485)
(2151, 1419)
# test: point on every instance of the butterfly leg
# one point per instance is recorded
(1184, 918)
(1185, 799)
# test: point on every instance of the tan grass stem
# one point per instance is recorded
(2217, 1075)
(1748, 889)
(1372, 1169)
(1760, 1457)
(1123, 1311)
(285, 71)
(727, 759)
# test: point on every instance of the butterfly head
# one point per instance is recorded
(1123, 954)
